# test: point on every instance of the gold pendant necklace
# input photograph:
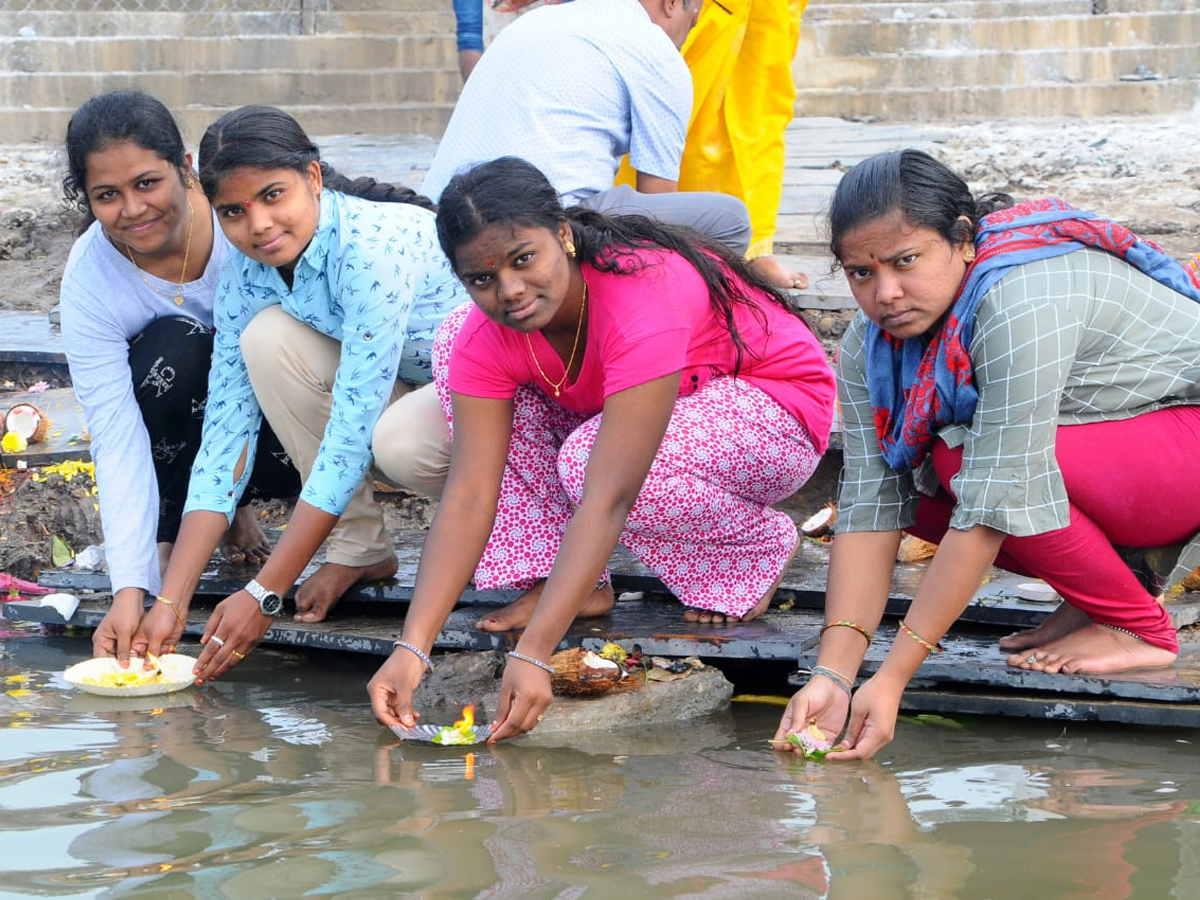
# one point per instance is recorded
(187, 252)
(557, 385)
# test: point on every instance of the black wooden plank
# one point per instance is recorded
(1055, 708)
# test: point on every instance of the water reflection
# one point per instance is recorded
(276, 783)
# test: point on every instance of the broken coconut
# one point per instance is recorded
(27, 421)
(821, 522)
(583, 673)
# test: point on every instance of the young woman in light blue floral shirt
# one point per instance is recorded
(325, 315)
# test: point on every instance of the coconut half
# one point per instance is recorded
(821, 522)
(28, 421)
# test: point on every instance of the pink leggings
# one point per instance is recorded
(702, 520)
(1132, 483)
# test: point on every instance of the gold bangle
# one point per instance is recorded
(175, 609)
(932, 648)
(843, 623)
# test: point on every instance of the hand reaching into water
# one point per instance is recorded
(821, 700)
(391, 689)
(524, 695)
(873, 716)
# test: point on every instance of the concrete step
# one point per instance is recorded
(387, 21)
(233, 88)
(822, 11)
(27, 125)
(53, 57)
(922, 105)
(76, 23)
(1029, 68)
(965, 36)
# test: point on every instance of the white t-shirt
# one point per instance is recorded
(105, 304)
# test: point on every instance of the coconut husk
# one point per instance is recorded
(573, 678)
(913, 549)
(1191, 581)
(27, 420)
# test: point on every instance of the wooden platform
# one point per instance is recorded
(971, 677)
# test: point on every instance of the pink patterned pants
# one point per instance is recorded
(702, 520)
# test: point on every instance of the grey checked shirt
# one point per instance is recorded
(1067, 341)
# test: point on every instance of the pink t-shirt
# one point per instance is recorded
(647, 323)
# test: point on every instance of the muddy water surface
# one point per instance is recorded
(276, 783)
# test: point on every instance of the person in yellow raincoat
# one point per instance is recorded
(740, 55)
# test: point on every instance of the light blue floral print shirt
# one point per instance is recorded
(374, 278)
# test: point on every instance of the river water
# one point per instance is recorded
(277, 783)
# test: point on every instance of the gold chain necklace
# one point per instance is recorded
(187, 252)
(557, 385)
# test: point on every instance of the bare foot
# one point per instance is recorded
(518, 613)
(777, 274)
(1093, 650)
(324, 587)
(245, 541)
(1065, 619)
(708, 617)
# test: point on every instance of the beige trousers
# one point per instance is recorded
(411, 442)
(292, 370)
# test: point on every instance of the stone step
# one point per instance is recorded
(77, 22)
(966, 36)
(821, 11)
(923, 105)
(233, 88)
(26, 125)
(416, 18)
(1028, 68)
(387, 21)
(182, 57)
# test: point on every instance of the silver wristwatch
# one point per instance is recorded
(269, 602)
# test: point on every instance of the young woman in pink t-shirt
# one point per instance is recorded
(617, 381)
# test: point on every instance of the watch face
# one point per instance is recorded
(271, 604)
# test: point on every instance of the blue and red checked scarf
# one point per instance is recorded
(920, 385)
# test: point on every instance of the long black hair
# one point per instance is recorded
(514, 191)
(109, 118)
(263, 137)
(926, 192)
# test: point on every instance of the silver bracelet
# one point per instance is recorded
(836, 677)
(421, 654)
(533, 662)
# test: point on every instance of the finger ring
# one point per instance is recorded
(238, 655)
(1031, 659)
(171, 649)
(218, 641)
(540, 718)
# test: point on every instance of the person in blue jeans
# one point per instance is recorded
(469, 33)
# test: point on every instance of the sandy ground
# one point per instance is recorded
(1141, 171)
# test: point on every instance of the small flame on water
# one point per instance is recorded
(468, 718)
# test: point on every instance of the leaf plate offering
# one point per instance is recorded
(444, 735)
